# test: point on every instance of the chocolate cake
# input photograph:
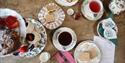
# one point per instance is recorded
(10, 42)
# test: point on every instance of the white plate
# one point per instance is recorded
(88, 13)
(86, 45)
(22, 29)
(43, 41)
(59, 16)
(58, 45)
(66, 3)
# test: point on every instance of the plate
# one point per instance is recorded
(40, 38)
(51, 16)
(101, 29)
(67, 2)
(86, 46)
(62, 47)
(4, 12)
(86, 11)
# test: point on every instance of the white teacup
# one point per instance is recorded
(64, 39)
(93, 9)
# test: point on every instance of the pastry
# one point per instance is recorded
(37, 38)
(84, 56)
(49, 18)
(93, 52)
(11, 42)
(29, 27)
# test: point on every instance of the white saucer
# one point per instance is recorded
(66, 3)
(58, 45)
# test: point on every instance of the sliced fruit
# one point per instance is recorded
(23, 49)
(12, 22)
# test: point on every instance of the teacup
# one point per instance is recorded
(93, 9)
(64, 39)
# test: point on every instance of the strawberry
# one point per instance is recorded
(2, 21)
(23, 49)
(12, 22)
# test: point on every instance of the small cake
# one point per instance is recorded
(33, 38)
(11, 42)
(49, 18)
(93, 52)
(37, 38)
(29, 26)
(52, 7)
(84, 56)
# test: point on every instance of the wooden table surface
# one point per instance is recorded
(84, 28)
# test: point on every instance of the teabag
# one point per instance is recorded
(117, 6)
(110, 33)
(108, 23)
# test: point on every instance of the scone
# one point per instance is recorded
(51, 7)
(93, 52)
(84, 56)
(50, 18)
(36, 38)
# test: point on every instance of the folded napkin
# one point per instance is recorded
(107, 48)
(64, 57)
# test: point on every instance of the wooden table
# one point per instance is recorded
(84, 29)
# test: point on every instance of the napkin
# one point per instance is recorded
(64, 57)
(107, 49)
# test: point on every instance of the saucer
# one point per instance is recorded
(90, 15)
(51, 16)
(87, 46)
(101, 29)
(60, 46)
(67, 2)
